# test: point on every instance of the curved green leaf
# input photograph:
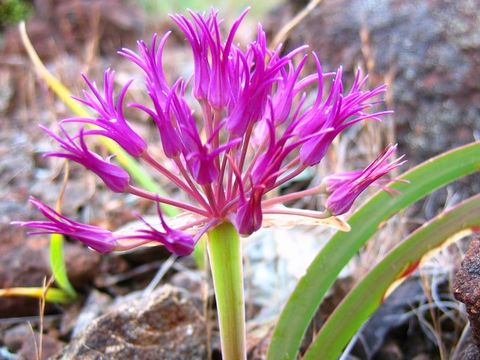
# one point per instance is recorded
(312, 287)
(365, 298)
(52, 295)
(57, 264)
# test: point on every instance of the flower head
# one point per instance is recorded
(338, 112)
(214, 59)
(255, 130)
(115, 177)
(344, 188)
(94, 237)
(176, 241)
(110, 121)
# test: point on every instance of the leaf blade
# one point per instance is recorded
(365, 298)
(310, 290)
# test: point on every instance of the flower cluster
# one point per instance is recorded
(256, 129)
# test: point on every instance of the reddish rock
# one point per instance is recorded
(24, 262)
(466, 287)
(429, 49)
(23, 342)
(168, 325)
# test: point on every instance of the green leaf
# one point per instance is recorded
(52, 295)
(57, 264)
(365, 298)
(312, 287)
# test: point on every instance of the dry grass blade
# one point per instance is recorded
(159, 275)
(35, 343)
(62, 92)
(435, 327)
(41, 316)
(58, 204)
(43, 301)
(285, 30)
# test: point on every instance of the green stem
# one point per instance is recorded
(224, 250)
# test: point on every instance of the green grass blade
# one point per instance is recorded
(52, 295)
(365, 298)
(312, 287)
(57, 264)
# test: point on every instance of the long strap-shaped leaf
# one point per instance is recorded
(365, 298)
(312, 287)
(52, 295)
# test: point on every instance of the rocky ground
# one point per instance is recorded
(427, 51)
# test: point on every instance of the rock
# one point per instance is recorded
(470, 352)
(19, 339)
(82, 263)
(6, 90)
(166, 325)
(466, 348)
(429, 49)
(77, 318)
(192, 281)
(466, 287)
(15, 166)
(24, 261)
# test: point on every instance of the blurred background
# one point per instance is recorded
(428, 52)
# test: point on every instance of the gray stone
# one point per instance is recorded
(429, 49)
(433, 47)
(166, 325)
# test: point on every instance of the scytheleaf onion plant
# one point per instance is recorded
(256, 121)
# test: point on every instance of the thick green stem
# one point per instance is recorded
(224, 250)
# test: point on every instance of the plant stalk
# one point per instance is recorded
(224, 250)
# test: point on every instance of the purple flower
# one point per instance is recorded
(249, 214)
(115, 177)
(150, 61)
(213, 59)
(103, 240)
(176, 241)
(161, 94)
(94, 237)
(110, 120)
(344, 188)
(260, 71)
(287, 89)
(255, 129)
(338, 112)
(167, 119)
